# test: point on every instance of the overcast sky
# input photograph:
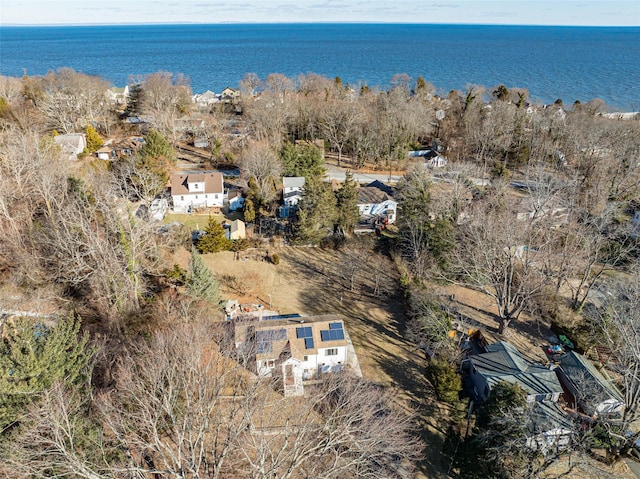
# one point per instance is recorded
(535, 12)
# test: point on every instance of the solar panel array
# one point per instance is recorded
(265, 338)
(306, 333)
(334, 333)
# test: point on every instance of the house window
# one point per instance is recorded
(206, 196)
(182, 198)
(270, 363)
(196, 197)
(331, 352)
(305, 358)
(216, 197)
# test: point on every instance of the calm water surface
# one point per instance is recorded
(571, 63)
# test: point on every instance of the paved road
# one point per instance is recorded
(339, 175)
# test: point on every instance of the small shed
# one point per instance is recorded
(237, 230)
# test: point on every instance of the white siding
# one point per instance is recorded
(197, 200)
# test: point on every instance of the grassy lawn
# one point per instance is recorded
(195, 221)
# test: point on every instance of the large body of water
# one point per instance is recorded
(571, 63)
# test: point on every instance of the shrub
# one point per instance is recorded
(445, 379)
(275, 258)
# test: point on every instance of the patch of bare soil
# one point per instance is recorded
(479, 311)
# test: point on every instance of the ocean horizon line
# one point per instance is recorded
(350, 22)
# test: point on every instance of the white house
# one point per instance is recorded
(72, 144)
(292, 187)
(117, 96)
(373, 203)
(191, 190)
(206, 99)
(295, 350)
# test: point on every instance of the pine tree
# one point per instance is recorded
(317, 212)
(94, 142)
(33, 357)
(158, 147)
(215, 240)
(304, 160)
(249, 211)
(200, 281)
(347, 200)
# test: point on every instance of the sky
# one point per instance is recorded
(514, 12)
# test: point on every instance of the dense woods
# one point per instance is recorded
(137, 378)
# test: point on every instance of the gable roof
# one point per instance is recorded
(213, 182)
(237, 225)
(71, 142)
(293, 181)
(381, 186)
(503, 362)
(372, 195)
(587, 379)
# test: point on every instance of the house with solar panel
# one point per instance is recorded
(294, 350)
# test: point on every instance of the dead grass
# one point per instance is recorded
(314, 281)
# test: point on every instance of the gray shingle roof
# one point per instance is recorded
(503, 362)
(293, 181)
(591, 383)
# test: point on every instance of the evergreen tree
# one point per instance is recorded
(133, 100)
(157, 147)
(303, 160)
(317, 212)
(347, 204)
(501, 93)
(33, 357)
(94, 142)
(200, 281)
(249, 211)
(215, 240)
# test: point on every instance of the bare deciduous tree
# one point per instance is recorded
(261, 162)
(503, 262)
(71, 100)
(165, 98)
(180, 407)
